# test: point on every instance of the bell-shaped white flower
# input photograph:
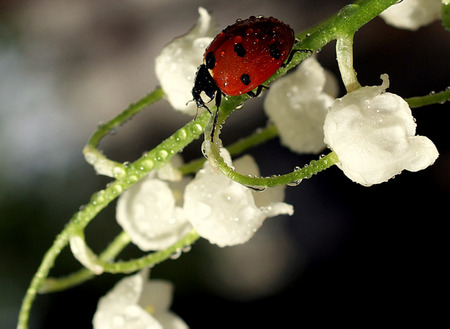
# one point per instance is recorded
(136, 303)
(150, 210)
(373, 134)
(178, 62)
(225, 212)
(298, 104)
(412, 14)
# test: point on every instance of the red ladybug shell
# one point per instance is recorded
(247, 53)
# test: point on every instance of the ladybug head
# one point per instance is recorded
(204, 83)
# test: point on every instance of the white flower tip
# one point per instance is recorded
(279, 208)
(385, 81)
(177, 63)
(423, 153)
(205, 23)
(102, 165)
(84, 255)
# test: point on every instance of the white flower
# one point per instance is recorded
(135, 303)
(373, 134)
(225, 212)
(298, 104)
(147, 211)
(179, 60)
(412, 14)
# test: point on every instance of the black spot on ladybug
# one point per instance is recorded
(239, 50)
(210, 60)
(245, 78)
(274, 51)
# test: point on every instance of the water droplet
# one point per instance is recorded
(118, 172)
(98, 197)
(257, 188)
(187, 248)
(176, 254)
(181, 135)
(162, 155)
(132, 179)
(116, 188)
(294, 183)
(196, 129)
(146, 164)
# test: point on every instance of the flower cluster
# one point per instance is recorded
(371, 131)
(219, 209)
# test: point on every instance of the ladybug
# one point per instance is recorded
(241, 58)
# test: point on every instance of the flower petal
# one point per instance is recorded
(298, 104)
(412, 14)
(119, 308)
(179, 60)
(147, 212)
(373, 134)
(223, 211)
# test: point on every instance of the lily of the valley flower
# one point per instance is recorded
(373, 134)
(149, 214)
(178, 62)
(412, 14)
(225, 212)
(136, 303)
(156, 214)
(298, 104)
(151, 210)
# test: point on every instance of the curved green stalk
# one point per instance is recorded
(99, 200)
(71, 280)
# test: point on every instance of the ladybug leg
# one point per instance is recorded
(293, 52)
(258, 91)
(216, 114)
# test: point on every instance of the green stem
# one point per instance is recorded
(99, 200)
(433, 98)
(151, 259)
(293, 178)
(76, 278)
(132, 110)
(344, 57)
(94, 157)
(260, 136)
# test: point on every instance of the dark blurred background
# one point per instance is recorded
(350, 255)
